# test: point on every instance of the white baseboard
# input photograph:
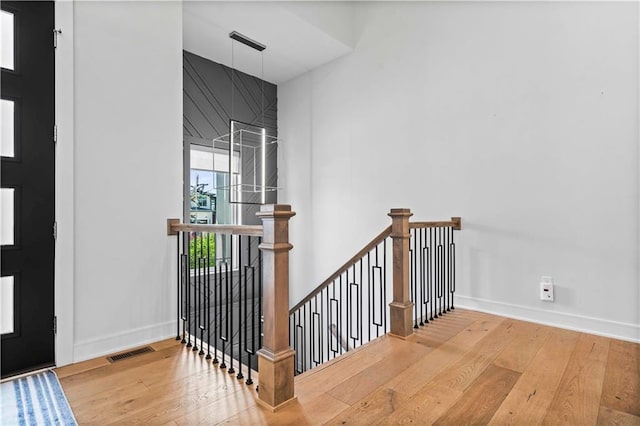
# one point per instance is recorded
(602, 327)
(117, 342)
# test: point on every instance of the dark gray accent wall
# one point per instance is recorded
(214, 94)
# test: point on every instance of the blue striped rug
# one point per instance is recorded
(34, 400)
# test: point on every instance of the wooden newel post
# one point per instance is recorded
(275, 358)
(401, 307)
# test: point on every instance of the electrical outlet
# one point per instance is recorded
(546, 289)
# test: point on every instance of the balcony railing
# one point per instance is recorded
(232, 298)
(232, 306)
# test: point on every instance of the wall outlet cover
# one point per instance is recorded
(546, 291)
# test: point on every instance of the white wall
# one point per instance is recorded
(520, 117)
(127, 172)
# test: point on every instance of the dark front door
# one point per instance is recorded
(28, 150)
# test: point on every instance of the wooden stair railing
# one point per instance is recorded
(259, 301)
(349, 308)
(423, 273)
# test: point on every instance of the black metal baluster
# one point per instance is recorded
(246, 312)
(208, 297)
(201, 305)
(359, 306)
(321, 330)
(260, 316)
(189, 293)
(300, 339)
(197, 259)
(184, 266)
(384, 276)
(417, 320)
(195, 293)
(436, 278)
(377, 271)
(183, 301)
(296, 346)
(448, 268)
(442, 272)
(240, 281)
(431, 272)
(443, 259)
(230, 309)
(196, 283)
(178, 266)
(253, 327)
(412, 276)
(305, 326)
(452, 247)
(335, 305)
(203, 309)
(371, 291)
(327, 309)
(357, 321)
(338, 305)
(361, 302)
(349, 313)
(313, 329)
(425, 274)
(217, 310)
(335, 321)
(419, 233)
(224, 327)
(260, 293)
(311, 335)
(376, 260)
(436, 286)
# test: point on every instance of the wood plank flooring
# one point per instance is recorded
(464, 368)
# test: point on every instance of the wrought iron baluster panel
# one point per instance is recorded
(432, 272)
(346, 313)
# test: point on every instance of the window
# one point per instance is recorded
(7, 43)
(7, 303)
(7, 129)
(7, 206)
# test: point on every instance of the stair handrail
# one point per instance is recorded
(174, 226)
(374, 242)
(455, 223)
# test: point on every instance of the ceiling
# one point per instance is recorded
(299, 35)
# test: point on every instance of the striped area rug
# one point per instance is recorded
(37, 399)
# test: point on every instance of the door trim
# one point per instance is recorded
(64, 275)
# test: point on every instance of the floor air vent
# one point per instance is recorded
(129, 354)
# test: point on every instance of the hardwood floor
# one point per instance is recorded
(464, 368)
